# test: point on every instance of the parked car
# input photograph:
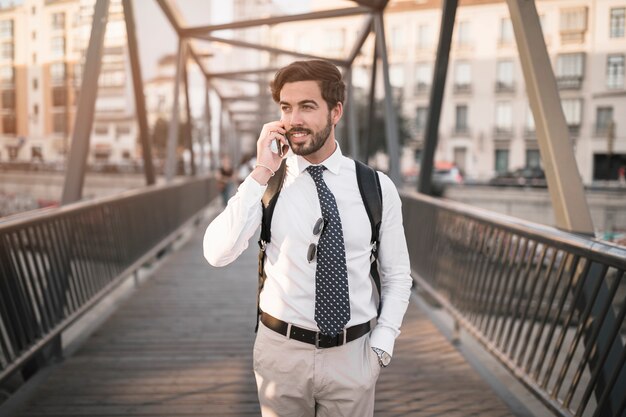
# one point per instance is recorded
(529, 176)
(447, 173)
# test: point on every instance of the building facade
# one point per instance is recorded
(42, 50)
(486, 124)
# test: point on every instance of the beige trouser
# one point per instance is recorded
(295, 379)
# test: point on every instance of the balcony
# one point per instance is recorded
(462, 88)
(574, 129)
(503, 87)
(530, 133)
(569, 82)
(422, 89)
(503, 132)
(461, 130)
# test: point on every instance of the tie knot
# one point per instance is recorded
(316, 171)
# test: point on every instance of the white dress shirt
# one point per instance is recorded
(289, 291)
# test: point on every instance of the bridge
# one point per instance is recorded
(547, 304)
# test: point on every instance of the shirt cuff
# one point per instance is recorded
(383, 338)
(250, 186)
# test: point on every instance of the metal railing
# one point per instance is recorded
(547, 304)
(58, 263)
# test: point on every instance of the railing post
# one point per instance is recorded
(371, 112)
(352, 122)
(189, 130)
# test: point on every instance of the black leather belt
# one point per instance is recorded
(318, 339)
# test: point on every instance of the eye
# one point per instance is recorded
(285, 108)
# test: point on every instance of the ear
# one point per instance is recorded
(336, 113)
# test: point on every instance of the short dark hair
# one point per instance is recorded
(326, 74)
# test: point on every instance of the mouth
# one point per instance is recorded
(299, 134)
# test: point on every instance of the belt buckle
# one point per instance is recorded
(317, 340)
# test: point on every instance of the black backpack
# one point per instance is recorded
(369, 186)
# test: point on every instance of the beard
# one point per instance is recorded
(317, 139)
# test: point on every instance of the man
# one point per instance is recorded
(318, 260)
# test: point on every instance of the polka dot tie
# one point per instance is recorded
(332, 303)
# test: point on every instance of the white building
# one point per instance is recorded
(486, 125)
(42, 48)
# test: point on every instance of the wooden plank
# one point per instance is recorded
(182, 346)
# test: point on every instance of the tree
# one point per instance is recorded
(377, 131)
(160, 133)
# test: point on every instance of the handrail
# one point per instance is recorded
(548, 304)
(56, 264)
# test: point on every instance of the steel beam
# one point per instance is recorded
(324, 14)
(242, 72)
(171, 14)
(140, 100)
(351, 116)
(189, 130)
(371, 103)
(365, 31)
(75, 174)
(172, 138)
(391, 121)
(431, 134)
(564, 183)
(242, 44)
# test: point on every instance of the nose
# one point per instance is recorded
(294, 118)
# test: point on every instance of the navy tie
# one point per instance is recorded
(332, 302)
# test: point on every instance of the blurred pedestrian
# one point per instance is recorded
(225, 179)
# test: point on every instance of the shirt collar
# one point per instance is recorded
(332, 163)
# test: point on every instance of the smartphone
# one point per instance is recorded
(280, 147)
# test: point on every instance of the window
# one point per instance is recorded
(397, 39)
(9, 124)
(35, 109)
(529, 128)
(57, 72)
(423, 78)
(6, 29)
(7, 51)
(615, 71)
(504, 76)
(616, 29)
(58, 21)
(572, 109)
(573, 25)
(504, 117)
(122, 130)
(112, 78)
(460, 125)
(396, 76)
(502, 160)
(604, 118)
(463, 34)
(8, 99)
(533, 158)
(59, 96)
(59, 123)
(506, 31)
(35, 83)
(34, 35)
(7, 75)
(58, 47)
(462, 76)
(101, 130)
(36, 153)
(569, 70)
(424, 39)
(421, 115)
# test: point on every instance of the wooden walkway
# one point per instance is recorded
(182, 346)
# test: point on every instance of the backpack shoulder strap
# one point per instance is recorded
(371, 193)
(268, 202)
(274, 185)
(369, 186)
